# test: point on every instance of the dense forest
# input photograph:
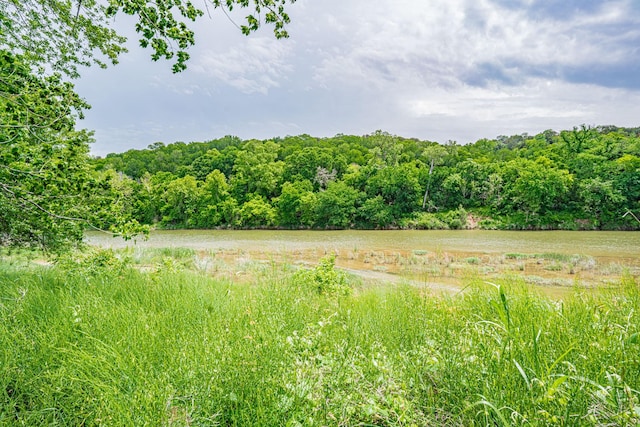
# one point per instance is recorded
(585, 178)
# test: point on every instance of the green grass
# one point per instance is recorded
(114, 346)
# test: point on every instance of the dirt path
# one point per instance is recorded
(378, 276)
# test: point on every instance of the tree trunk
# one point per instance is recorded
(426, 193)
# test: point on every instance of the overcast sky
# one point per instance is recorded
(435, 70)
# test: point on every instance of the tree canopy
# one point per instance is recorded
(386, 181)
(48, 194)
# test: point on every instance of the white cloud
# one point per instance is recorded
(258, 64)
(444, 40)
(536, 99)
(437, 69)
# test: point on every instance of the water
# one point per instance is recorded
(601, 244)
(441, 260)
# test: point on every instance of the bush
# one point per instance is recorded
(456, 220)
(93, 262)
(427, 221)
(324, 278)
(490, 224)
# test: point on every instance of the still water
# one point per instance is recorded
(607, 244)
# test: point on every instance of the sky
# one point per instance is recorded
(436, 70)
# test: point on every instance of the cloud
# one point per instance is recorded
(476, 41)
(257, 65)
(437, 70)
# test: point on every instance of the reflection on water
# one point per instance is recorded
(593, 243)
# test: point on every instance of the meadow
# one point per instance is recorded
(97, 340)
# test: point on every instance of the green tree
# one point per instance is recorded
(257, 170)
(627, 179)
(305, 164)
(120, 194)
(435, 155)
(466, 184)
(578, 139)
(375, 213)
(399, 188)
(600, 200)
(337, 206)
(257, 212)
(536, 188)
(290, 203)
(181, 202)
(144, 209)
(385, 148)
(230, 212)
(205, 164)
(214, 192)
(46, 189)
(454, 190)
(158, 184)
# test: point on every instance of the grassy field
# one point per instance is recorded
(94, 341)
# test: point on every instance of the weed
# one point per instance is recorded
(324, 278)
(516, 256)
(177, 347)
(554, 267)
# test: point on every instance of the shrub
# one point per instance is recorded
(93, 262)
(428, 221)
(324, 278)
(456, 220)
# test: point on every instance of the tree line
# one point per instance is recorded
(583, 178)
(51, 191)
(48, 193)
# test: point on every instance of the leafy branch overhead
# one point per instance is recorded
(160, 25)
(62, 35)
(44, 178)
(59, 35)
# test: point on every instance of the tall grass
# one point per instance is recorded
(114, 346)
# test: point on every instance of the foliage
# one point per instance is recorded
(215, 191)
(518, 182)
(315, 164)
(93, 262)
(66, 34)
(450, 220)
(59, 34)
(257, 212)
(46, 185)
(179, 348)
(48, 195)
(324, 278)
(375, 213)
(256, 170)
(399, 188)
(292, 202)
(180, 202)
(336, 207)
(538, 188)
(427, 221)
